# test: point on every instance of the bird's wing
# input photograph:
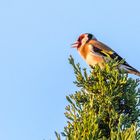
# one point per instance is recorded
(101, 49)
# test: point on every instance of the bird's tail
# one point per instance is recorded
(130, 69)
(134, 72)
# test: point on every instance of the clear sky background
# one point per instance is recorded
(35, 38)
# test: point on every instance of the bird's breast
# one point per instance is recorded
(92, 59)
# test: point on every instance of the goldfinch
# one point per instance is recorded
(94, 52)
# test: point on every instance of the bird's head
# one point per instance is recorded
(82, 40)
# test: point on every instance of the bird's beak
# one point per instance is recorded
(75, 44)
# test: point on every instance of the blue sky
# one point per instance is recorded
(35, 38)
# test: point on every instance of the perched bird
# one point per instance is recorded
(94, 52)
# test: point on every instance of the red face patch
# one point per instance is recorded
(80, 38)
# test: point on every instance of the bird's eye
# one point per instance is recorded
(80, 38)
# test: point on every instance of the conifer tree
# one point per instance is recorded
(106, 107)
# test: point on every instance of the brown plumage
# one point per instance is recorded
(94, 52)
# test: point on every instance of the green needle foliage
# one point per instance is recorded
(106, 107)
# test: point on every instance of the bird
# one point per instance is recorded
(95, 52)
